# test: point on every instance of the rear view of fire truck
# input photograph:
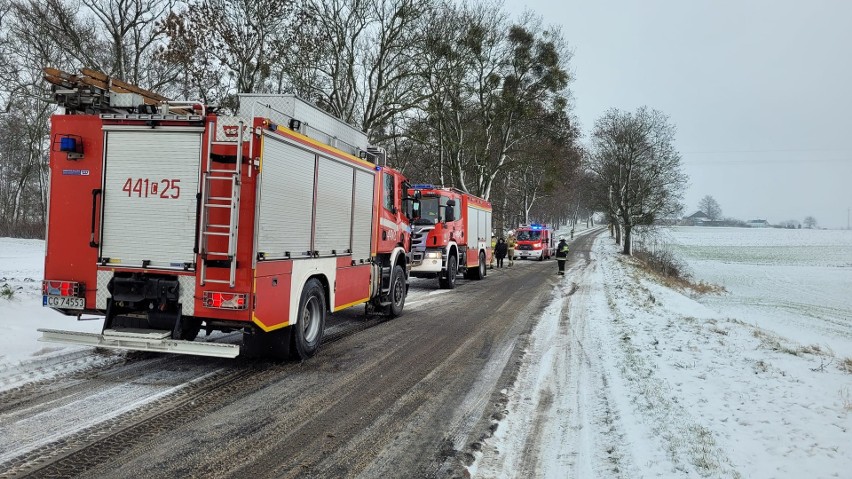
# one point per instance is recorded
(451, 234)
(168, 219)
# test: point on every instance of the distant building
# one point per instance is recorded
(696, 219)
(757, 224)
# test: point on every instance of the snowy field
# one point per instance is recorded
(626, 378)
(797, 283)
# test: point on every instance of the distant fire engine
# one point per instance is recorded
(451, 234)
(535, 242)
(167, 218)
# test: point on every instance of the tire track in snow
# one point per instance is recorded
(560, 418)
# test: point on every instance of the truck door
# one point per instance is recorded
(151, 180)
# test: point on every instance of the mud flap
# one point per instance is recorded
(267, 345)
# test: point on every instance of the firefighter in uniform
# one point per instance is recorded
(561, 255)
(511, 242)
(493, 246)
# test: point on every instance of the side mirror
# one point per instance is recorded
(450, 212)
(411, 206)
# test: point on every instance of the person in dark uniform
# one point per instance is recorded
(561, 255)
(500, 251)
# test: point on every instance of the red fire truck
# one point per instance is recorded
(535, 241)
(167, 218)
(451, 234)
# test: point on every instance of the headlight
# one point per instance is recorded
(433, 255)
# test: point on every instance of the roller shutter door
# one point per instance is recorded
(149, 197)
(334, 207)
(286, 196)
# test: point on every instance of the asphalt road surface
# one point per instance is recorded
(407, 397)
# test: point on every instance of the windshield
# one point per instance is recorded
(430, 213)
(529, 235)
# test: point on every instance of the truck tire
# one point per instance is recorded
(449, 282)
(307, 332)
(479, 272)
(396, 295)
(190, 327)
(484, 265)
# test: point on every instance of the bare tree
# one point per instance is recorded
(118, 37)
(534, 82)
(26, 46)
(710, 207)
(810, 222)
(637, 168)
(491, 84)
(226, 47)
(131, 31)
(546, 165)
(367, 67)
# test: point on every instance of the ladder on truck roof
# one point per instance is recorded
(93, 91)
(209, 203)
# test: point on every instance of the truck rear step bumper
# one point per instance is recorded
(140, 340)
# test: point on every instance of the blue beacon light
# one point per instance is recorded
(68, 144)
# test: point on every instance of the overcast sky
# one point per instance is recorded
(760, 93)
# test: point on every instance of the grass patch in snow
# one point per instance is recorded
(670, 272)
(6, 292)
(774, 342)
(845, 365)
(656, 255)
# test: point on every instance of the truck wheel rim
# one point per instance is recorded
(398, 293)
(311, 319)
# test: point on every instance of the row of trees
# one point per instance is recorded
(456, 92)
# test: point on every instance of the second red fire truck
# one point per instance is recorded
(451, 234)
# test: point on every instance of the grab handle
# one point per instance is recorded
(95, 194)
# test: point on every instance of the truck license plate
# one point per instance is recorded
(63, 302)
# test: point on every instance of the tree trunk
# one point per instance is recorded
(627, 241)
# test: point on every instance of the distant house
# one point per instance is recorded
(757, 224)
(696, 219)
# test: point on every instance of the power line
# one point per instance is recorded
(782, 150)
(769, 160)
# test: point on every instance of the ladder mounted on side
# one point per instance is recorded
(209, 203)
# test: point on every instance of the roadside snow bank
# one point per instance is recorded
(626, 378)
(21, 314)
